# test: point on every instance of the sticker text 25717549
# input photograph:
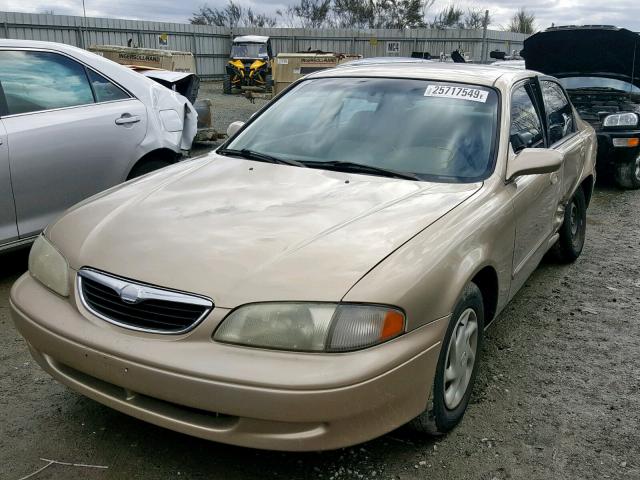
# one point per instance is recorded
(459, 93)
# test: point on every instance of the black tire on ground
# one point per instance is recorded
(439, 418)
(627, 173)
(226, 83)
(573, 230)
(147, 166)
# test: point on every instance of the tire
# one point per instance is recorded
(573, 230)
(147, 166)
(627, 173)
(226, 83)
(446, 404)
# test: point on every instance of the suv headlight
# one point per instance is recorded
(621, 120)
(311, 327)
(49, 267)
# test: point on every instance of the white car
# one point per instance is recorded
(72, 124)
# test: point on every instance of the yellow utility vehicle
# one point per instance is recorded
(250, 64)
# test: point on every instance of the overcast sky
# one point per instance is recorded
(623, 13)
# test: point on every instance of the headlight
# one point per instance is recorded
(49, 267)
(621, 120)
(310, 327)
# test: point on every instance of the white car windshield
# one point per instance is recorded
(431, 130)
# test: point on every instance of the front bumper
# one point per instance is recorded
(608, 154)
(242, 396)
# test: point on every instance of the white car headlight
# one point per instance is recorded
(49, 267)
(311, 327)
(621, 120)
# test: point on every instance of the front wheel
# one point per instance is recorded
(226, 83)
(627, 173)
(573, 230)
(457, 366)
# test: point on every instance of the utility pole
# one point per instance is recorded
(84, 25)
(485, 46)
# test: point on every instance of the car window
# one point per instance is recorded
(34, 81)
(438, 131)
(526, 126)
(105, 90)
(558, 110)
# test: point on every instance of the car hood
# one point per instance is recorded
(241, 231)
(595, 52)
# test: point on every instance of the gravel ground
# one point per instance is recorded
(226, 109)
(557, 396)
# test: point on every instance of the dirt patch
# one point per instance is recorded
(557, 397)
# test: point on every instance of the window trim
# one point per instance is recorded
(528, 84)
(573, 112)
(5, 114)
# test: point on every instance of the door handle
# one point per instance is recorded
(126, 119)
(553, 178)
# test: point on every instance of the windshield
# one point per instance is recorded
(438, 131)
(249, 50)
(573, 83)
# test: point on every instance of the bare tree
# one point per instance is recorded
(522, 22)
(232, 15)
(307, 14)
(450, 17)
(474, 19)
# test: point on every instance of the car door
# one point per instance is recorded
(8, 227)
(563, 134)
(535, 197)
(71, 133)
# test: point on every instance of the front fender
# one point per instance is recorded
(427, 274)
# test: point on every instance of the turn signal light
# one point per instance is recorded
(626, 142)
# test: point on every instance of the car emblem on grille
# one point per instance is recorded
(131, 294)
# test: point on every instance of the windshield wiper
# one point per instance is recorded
(362, 168)
(260, 157)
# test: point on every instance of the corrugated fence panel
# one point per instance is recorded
(211, 45)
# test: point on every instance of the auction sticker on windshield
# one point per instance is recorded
(459, 93)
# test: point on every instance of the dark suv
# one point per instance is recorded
(599, 66)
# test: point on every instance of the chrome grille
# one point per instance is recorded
(139, 306)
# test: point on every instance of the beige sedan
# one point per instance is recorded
(327, 274)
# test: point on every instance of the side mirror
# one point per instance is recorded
(532, 161)
(233, 128)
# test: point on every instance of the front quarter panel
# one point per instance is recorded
(427, 274)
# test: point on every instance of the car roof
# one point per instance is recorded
(457, 72)
(382, 61)
(251, 39)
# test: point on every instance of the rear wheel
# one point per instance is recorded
(573, 230)
(627, 173)
(147, 166)
(226, 83)
(457, 366)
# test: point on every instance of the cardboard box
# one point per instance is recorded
(147, 57)
(289, 67)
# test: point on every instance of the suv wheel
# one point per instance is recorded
(457, 366)
(628, 173)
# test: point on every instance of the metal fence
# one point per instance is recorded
(211, 45)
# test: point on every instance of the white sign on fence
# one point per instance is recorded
(393, 48)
